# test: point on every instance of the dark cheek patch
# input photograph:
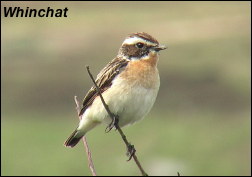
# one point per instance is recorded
(132, 51)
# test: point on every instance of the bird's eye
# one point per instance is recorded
(139, 45)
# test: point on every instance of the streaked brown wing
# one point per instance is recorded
(104, 80)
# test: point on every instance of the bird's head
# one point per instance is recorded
(138, 46)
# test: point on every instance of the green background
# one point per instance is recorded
(200, 123)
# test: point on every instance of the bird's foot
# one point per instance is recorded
(130, 151)
(114, 123)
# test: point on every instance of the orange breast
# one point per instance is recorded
(142, 72)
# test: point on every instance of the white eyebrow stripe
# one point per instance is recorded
(134, 40)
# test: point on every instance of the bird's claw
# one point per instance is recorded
(113, 123)
(130, 151)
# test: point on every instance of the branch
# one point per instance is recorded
(88, 152)
(131, 149)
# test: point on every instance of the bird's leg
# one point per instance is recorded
(130, 151)
(114, 123)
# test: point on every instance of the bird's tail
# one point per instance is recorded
(73, 139)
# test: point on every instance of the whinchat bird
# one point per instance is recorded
(129, 85)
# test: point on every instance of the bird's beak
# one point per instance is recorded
(159, 47)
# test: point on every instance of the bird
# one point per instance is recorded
(129, 85)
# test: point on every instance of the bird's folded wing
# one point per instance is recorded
(104, 80)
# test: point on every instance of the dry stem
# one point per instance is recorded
(130, 147)
(88, 152)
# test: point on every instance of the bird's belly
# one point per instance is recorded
(135, 105)
(131, 102)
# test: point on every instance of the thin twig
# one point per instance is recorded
(130, 147)
(88, 152)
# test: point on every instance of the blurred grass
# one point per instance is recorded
(200, 124)
(183, 143)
